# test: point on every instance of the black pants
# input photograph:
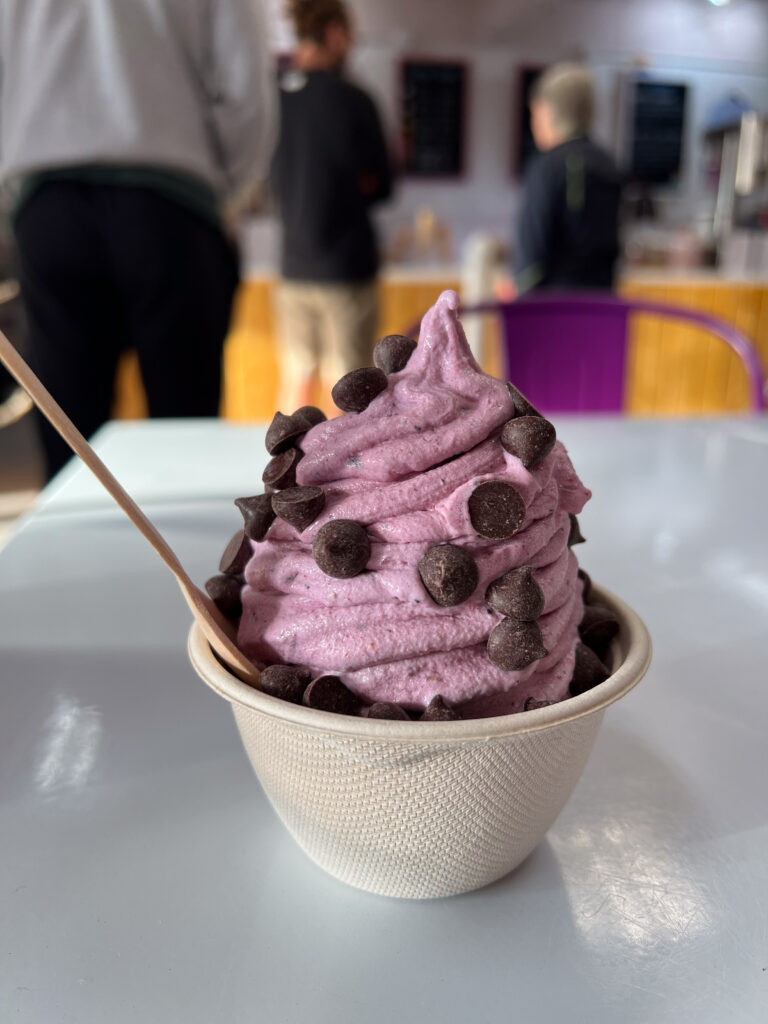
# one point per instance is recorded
(104, 268)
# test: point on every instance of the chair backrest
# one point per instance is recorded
(567, 353)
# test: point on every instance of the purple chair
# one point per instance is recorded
(567, 353)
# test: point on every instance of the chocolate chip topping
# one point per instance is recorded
(311, 414)
(496, 510)
(521, 404)
(516, 594)
(288, 682)
(449, 574)
(341, 548)
(356, 390)
(284, 431)
(328, 693)
(258, 515)
(599, 622)
(531, 704)
(574, 535)
(530, 438)
(598, 627)
(587, 581)
(385, 709)
(236, 555)
(512, 645)
(299, 506)
(281, 470)
(438, 711)
(588, 671)
(224, 591)
(393, 352)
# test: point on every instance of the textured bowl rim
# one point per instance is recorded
(631, 649)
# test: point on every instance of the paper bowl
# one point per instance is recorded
(422, 809)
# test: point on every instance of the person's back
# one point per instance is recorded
(568, 232)
(330, 165)
(124, 124)
(177, 84)
(582, 184)
(329, 139)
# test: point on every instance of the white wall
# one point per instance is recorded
(713, 49)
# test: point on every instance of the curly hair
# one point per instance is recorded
(312, 17)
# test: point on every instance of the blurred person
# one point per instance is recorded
(568, 233)
(14, 401)
(124, 124)
(330, 166)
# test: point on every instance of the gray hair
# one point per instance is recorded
(569, 90)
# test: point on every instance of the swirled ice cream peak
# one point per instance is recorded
(440, 405)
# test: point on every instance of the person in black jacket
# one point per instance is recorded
(330, 166)
(568, 225)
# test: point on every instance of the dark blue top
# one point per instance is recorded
(568, 235)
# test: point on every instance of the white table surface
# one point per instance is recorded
(144, 878)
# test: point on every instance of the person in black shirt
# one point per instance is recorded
(330, 166)
(568, 226)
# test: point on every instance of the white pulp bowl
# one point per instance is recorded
(422, 809)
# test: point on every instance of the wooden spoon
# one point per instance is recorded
(218, 629)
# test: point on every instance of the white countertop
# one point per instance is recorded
(144, 878)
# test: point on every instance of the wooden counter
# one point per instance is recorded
(673, 369)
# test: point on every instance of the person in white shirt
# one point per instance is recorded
(124, 125)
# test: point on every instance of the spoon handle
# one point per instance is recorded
(216, 627)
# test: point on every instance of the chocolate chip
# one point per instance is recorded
(531, 704)
(281, 470)
(599, 622)
(385, 709)
(393, 352)
(598, 627)
(516, 594)
(586, 580)
(311, 414)
(328, 693)
(299, 506)
(521, 404)
(588, 671)
(438, 711)
(284, 431)
(288, 682)
(530, 438)
(236, 555)
(449, 574)
(356, 390)
(258, 515)
(574, 535)
(512, 645)
(496, 510)
(224, 591)
(341, 548)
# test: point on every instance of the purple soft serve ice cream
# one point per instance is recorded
(409, 469)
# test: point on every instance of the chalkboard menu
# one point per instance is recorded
(433, 118)
(658, 111)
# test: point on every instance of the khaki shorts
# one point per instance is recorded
(326, 330)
